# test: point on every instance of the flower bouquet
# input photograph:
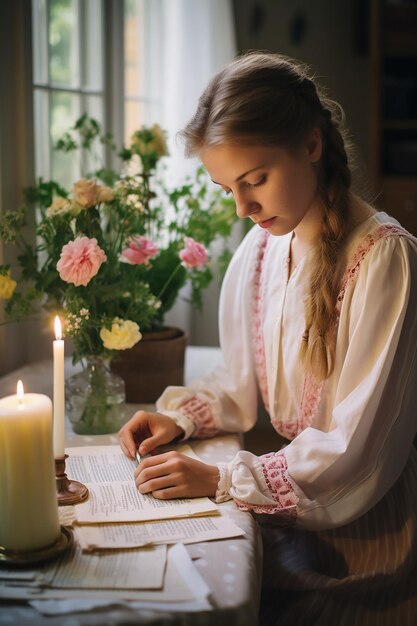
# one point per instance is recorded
(112, 254)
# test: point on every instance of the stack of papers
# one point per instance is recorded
(117, 516)
(127, 545)
(152, 575)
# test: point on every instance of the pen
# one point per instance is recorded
(138, 459)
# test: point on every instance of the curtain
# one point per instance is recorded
(197, 40)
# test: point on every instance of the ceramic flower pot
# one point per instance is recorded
(152, 364)
(95, 398)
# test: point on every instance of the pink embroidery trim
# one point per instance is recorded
(258, 341)
(351, 272)
(286, 428)
(200, 413)
(287, 516)
(308, 410)
(223, 485)
(312, 388)
(275, 471)
(310, 401)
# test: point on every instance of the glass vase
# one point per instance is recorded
(95, 398)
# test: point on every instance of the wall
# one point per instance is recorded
(16, 168)
(330, 35)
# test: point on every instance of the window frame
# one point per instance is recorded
(111, 92)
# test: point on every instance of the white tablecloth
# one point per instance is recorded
(231, 568)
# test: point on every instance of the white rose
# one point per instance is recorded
(123, 334)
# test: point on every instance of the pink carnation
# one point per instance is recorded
(140, 250)
(194, 254)
(80, 260)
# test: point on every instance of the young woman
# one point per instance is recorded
(318, 318)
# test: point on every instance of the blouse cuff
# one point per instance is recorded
(183, 422)
(224, 484)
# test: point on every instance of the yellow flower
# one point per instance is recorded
(124, 334)
(7, 286)
(105, 194)
(59, 206)
(85, 192)
(158, 144)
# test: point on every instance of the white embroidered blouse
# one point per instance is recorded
(349, 437)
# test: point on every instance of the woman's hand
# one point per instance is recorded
(174, 475)
(147, 431)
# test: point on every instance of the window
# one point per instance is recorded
(68, 75)
(82, 66)
(68, 78)
(143, 63)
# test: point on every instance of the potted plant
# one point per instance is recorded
(111, 255)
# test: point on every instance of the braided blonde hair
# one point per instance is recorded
(268, 99)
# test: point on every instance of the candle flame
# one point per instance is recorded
(58, 328)
(20, 391)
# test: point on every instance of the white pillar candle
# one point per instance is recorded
(59, 392)
(28, 501)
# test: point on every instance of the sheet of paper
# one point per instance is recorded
(130, 569)
(84, 605)
(11, 573)
(182, 583)
(122, 569)
(108, 473)
(190, 530)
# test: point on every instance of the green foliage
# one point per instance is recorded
(115, 209)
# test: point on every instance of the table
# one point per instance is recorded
(231, 568)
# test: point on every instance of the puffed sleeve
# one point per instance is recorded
(326, 478)
(226, 400)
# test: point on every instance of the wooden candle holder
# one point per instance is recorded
(68, 491)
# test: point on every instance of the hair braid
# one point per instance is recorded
(317, 346)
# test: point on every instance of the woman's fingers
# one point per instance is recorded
(169, 493)
(134, 432)
(125, 448)
(173, 475)
(160, 482)
(153, 466)
(148, 431)
(150, 443)
(164, 468)
(127, 442)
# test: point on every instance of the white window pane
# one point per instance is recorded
(151, 61)
(134, 118)
(65, 110)
(64, 42)
(94, 56)
(94, 107)
(144, 40)
(133, 46)
(40, 41)
(68, 51)
(139, 112)
(41, 131)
